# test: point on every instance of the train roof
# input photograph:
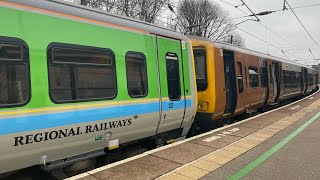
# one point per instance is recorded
(232, 47)
(60, 8)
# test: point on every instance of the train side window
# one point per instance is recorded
(136, 68)
(14, 72)
(240, 77)
(80, 73)
(201, 68)
(173, 77)
(253, 77)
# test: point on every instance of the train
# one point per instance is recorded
(78, 83)
(232, 81)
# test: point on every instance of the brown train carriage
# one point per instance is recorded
(233, 80)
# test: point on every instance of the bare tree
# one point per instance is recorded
(106, 5)
(206, 19)
(145, 10)
(127, 8)
(234, 38)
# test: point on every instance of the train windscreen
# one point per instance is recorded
(200, 65)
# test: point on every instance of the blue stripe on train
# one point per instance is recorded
(36, 122)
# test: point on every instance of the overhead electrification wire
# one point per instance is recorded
(266, 28)
(253, 14)
(268, 43)
(302, 24)
(285, 54)
(311, 5)
(259, 23)
(312, 54)
(228, 3)
(277, 34)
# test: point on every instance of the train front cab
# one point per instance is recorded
(210, 84)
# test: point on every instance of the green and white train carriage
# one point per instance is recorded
(75, 81)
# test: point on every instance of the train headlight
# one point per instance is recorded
(202, 106)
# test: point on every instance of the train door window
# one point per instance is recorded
(285, 78)
(253, 77)
(281, 76)
(240, 77)
(136, 68)
(310, 79)
(200, 65)
(271, 74)
(173, 77)
(245, 74)
(263, 77)
(298, 78)
(288, 79)
(292, 79)
(14, 72)
(80, 73)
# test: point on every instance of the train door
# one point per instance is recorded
(171, 83)
(241, 101)
(230, 82)
(276, 82)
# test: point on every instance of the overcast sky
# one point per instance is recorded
(295, 42)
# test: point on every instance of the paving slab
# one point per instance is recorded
(192, 172)
(255, 124)
(215, 140)
(184, 153)
(148, 167)
(205, 165)
(174, 176)
(242, 132)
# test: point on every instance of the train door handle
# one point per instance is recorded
(164, 117)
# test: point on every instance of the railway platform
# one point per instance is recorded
(280, 144)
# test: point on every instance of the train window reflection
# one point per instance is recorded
(14, 72)
(173, 77)
(10, 52)
(80, 73)
(240, 78)
(253, 77)
(136, 68)
(200, 65)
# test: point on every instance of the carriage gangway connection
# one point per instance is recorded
(280, 144)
